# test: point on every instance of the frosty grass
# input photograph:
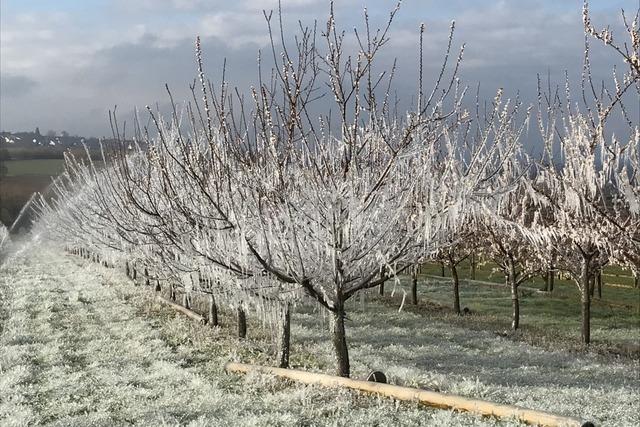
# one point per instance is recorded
(80, 345)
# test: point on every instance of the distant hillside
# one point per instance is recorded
(30, 160)
(33, 145)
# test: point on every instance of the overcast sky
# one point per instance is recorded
(64, 63)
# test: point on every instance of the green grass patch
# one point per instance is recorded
(15, 191)
(47, 167)
(617, 283)
(556, 317)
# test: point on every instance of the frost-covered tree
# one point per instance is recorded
(74, 214)
(457, 249)
(490, 215)
(593, 219)
(314, 205)
(505, 231)
(323, 205)
(592, 188)
(499, 222)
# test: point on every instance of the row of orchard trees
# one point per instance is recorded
(577, 208)
(260, 205)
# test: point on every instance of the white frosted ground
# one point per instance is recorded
(79, 345)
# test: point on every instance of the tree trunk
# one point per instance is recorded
(185, 301)
(586, 316)
(599, 284)
(473, 266)
(551, 274)
(339, 338)
(414, 285)
(146, 277)
(172, 292)
(158, 288)
(442, 269)
(213, 312)
(126, 269)
(285, 338)
(515, 302)
(592, 286)
(456, 288)
(242, 323)
(586, 301)
(381, 287)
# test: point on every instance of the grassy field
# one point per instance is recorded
(487, 271)
(24, 177)
(15, 191)
(617, 284)
(554, 317)
(48, 167)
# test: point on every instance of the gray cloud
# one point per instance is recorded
(13, 86)
(507, 45)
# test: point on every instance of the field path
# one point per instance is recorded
(72, 349)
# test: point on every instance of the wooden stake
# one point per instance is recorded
(189, 313)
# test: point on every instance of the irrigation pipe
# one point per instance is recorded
(429, 398)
